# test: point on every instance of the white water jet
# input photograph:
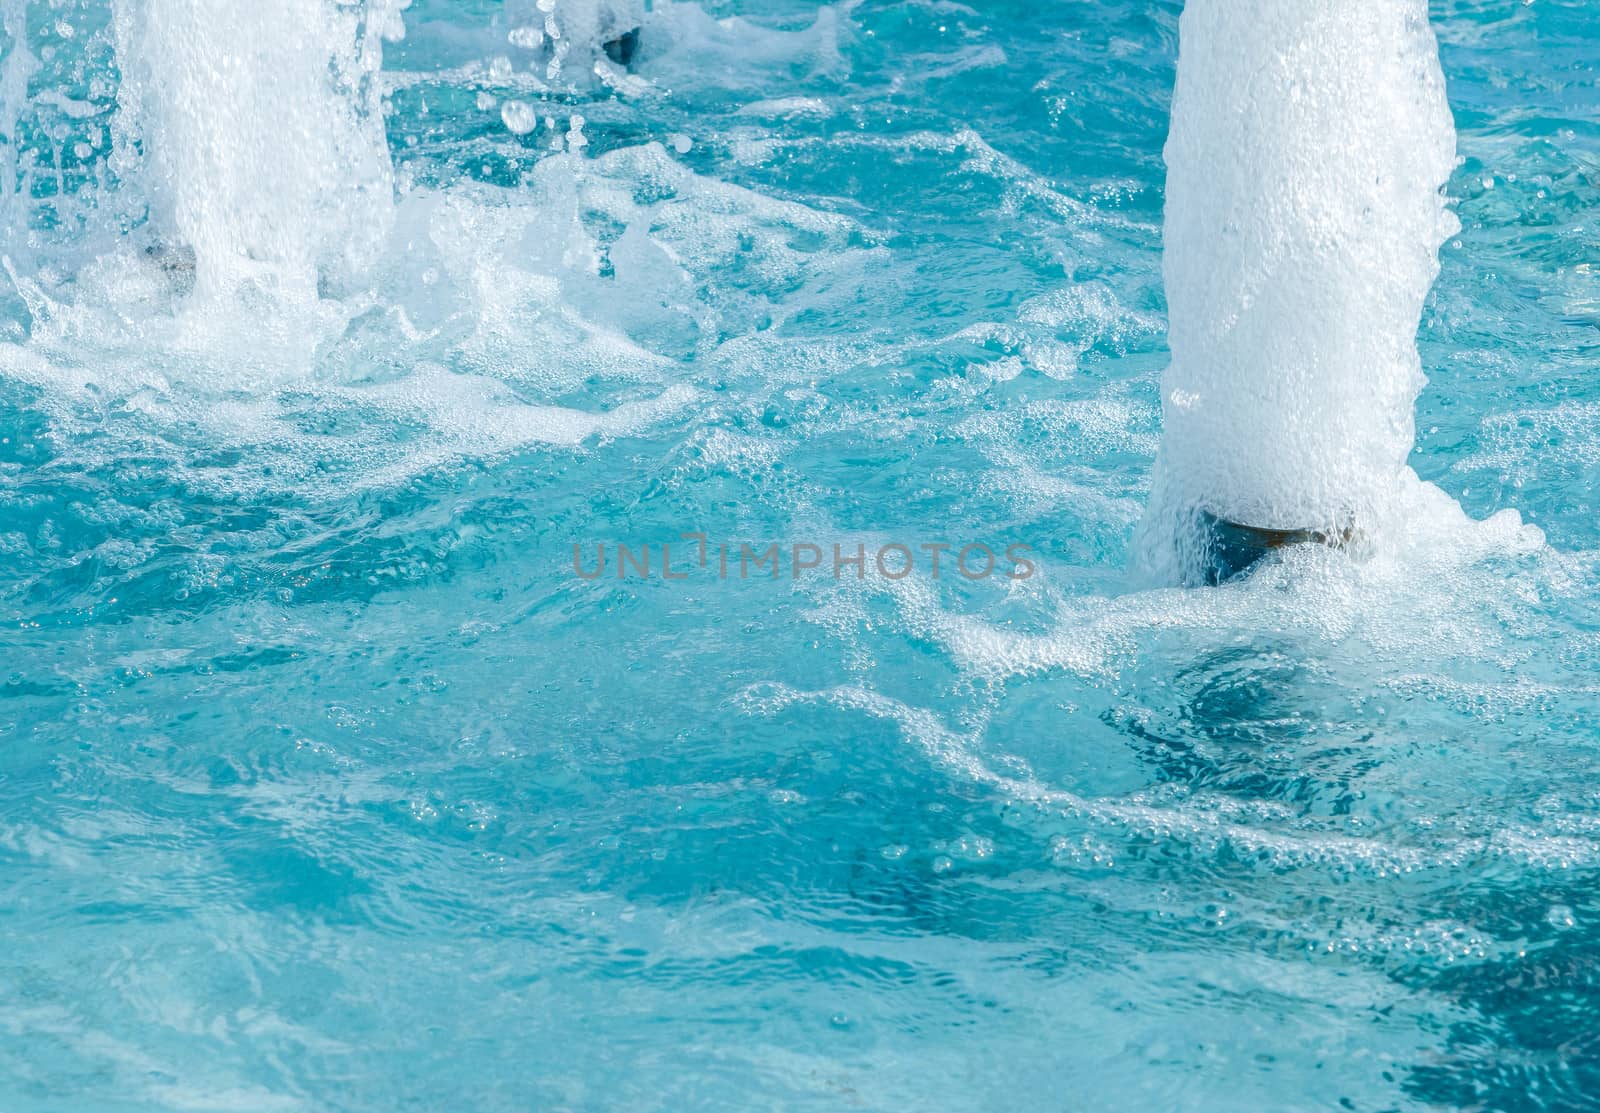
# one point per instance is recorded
(1310, 143)
(255, 134)
(17, 66)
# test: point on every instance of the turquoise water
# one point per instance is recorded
(329, 785)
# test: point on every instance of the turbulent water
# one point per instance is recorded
(327, 331)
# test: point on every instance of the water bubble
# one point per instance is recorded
(972, 848)
(528, 38)
(518, 117)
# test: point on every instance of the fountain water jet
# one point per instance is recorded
(17, 66)
(1310, 143)
(255, 134)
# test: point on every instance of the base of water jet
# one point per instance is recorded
(1234, 550)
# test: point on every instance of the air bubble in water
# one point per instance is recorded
(528, 38)
(518, 117)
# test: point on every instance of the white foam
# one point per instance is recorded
(1421, 598)
(480, 315)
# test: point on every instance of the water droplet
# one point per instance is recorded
(518, 117)
(528, 38)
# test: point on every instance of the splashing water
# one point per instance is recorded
(249, 236)
(1309, 151)
(555, 27)
(229, 187)
(255, 136)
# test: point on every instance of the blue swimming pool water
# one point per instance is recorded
(328, 784)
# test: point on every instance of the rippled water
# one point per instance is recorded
(329, 785)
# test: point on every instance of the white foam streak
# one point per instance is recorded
(1257, 830)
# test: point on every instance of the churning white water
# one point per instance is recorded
(1309, 146)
